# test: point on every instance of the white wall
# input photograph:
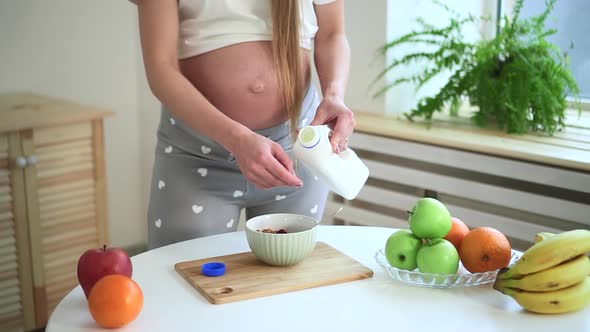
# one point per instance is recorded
(85, 51)
(366, 29)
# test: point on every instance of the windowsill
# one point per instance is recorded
(584, 103)
(569, 148)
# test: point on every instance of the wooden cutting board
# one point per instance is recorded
(247, 278)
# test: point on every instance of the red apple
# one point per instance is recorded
(97, 263)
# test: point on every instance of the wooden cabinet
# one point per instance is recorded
(52, 202)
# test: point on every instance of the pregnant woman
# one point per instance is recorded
(234, 79)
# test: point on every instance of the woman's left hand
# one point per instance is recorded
(339, 118)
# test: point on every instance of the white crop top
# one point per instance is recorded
(206, 25)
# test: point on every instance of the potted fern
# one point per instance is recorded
(518, 80)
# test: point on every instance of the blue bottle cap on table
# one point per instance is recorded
(213, 269)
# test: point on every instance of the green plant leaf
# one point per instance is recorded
(518, 80)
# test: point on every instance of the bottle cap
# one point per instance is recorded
(309, 137)
(213, 269)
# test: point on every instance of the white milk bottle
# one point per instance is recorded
(344, 172)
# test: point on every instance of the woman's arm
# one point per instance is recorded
(332, 59)
(158, 26)
(262, 161)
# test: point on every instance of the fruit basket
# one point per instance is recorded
(462, 278)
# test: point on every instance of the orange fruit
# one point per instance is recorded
(485, 249)
(115, 300)
(457, 233)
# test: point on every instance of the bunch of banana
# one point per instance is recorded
(552, 276)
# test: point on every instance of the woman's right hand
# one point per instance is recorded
(264, 162)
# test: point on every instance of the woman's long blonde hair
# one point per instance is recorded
(287, 55)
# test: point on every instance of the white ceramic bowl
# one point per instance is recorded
(282, 249)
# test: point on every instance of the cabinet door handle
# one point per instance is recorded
(32, 160)
(21, 162)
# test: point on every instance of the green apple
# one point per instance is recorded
(430, 219)
(438, 256)
(401, 249)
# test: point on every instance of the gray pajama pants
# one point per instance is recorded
(198, 189)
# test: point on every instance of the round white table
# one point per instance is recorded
(375, 304)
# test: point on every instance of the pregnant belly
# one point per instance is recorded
(240, 81)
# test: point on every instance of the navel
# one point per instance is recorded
(257, 87)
